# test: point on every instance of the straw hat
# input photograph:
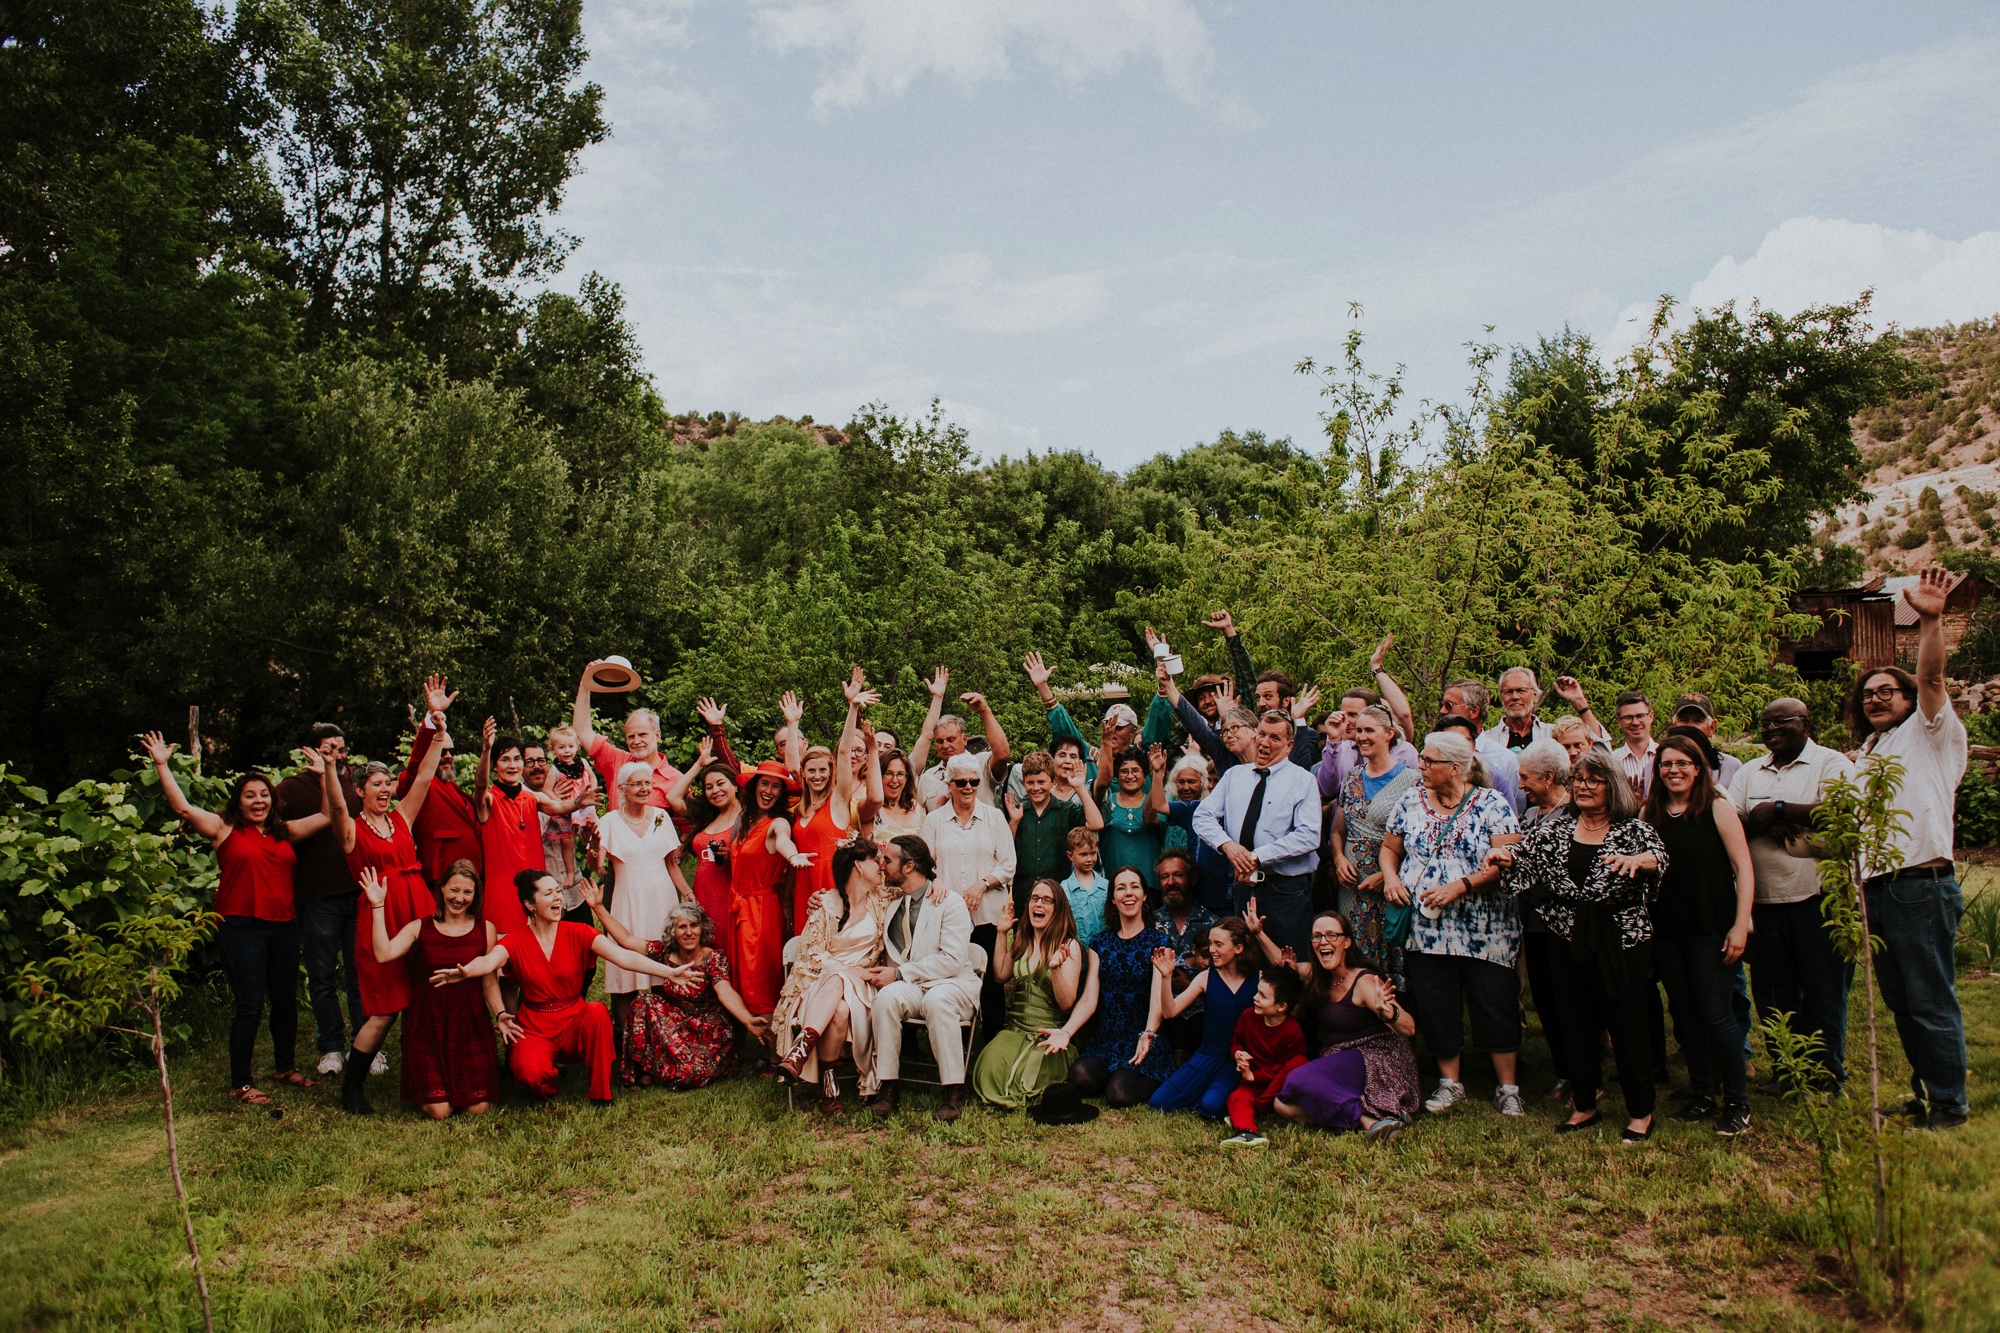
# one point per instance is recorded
(614, 675)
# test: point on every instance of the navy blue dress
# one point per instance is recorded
(1124, 982)
(1209, 1076)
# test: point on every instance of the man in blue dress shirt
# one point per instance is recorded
(1265, 817)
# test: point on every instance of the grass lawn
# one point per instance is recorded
(719, 1209)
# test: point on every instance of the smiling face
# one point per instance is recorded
(1677, 772)
(1787, 726)
(1455, 703)
(1222, 947)
(949, 737)
(1329, 943)
(1128, 892)
(534, 766)
(635, 791)
(964, 793)
(770, 793)
(642, 737)
(1187, 785)
(1885, 701)
(895, 779)
(255, 802)
(1439, 771)
(1372, 739)
(508, 765)
(548, 901)
(1636, 722)
(719, 790)
(1588, 792)
(687, 936)
(817, 775)
(457, 893)
(1266, 1004)
(1041, 906)
(1037, 786)
(378, 793)
(1518, 697)
(1131, 777)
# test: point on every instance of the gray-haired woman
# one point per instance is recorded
(678, 1034)
(1464, 936)
(1591, 869)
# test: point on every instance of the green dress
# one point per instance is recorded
(1013, 1069)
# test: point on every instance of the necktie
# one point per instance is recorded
(903, 926)
(1246, 832)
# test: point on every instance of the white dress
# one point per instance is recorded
(643, 892)
(844, 950)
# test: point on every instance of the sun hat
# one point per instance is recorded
(614, 675)
(1062, 1104)
(771, 768)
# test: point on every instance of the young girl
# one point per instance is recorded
(1226, 985)
(1045, 960)
(448, 1061)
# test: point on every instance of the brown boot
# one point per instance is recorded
(795, 1059)
(829, 1092)
(884, 1104)
(954, 1103)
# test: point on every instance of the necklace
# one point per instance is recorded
(386, 830)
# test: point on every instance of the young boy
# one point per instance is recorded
(1268, 1045)
(1041, 826)
(1085, 888)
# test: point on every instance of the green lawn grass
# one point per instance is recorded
(721, 1209)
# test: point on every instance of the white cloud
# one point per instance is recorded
(1918, 279)
(879, 48)
(973, 295)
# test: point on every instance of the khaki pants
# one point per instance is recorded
(944, 1009)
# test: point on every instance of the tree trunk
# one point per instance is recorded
(174, 1163)
(194, 736)
(1874, 1070)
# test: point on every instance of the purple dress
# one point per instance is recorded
(1365, 1067)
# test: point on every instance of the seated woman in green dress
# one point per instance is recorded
(1051, 1001)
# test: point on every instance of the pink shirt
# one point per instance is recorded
(607, 759)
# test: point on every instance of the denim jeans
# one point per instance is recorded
(1794, 968)
(328, 928)
(1699, 990)
(1286, 904)
(262, 960)
(1918, 920)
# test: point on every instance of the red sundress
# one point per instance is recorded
(447, 1036)
(385, 987)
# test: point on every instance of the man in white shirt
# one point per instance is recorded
(1635, 720)
(947, 732)
(1265, 817)
(1793, 964)
(974, 852)
(933, 974)
(1915, 906)
(1520, 696)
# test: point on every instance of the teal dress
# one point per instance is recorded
(1013, 1069)
(1128, 840)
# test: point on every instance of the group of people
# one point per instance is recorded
(1225, 908)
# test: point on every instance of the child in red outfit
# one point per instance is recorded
(1268, 1045)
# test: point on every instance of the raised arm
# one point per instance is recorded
(922, 749)
(713, 715)
(483, 966)
(793, 754)
(1003, 944)
(637, 962)
(579, 713)
(1156, 794)
(677, 790)
(482, 775)
(1093, 814)
(859, 696)
(998, 752)
(387, 948)
(1393, 698)
(1239, 657)
(611, 925)
(1927, 599)
(205, 822)
(872, 800)
(1172, 1005)
(420, 786)
(333, 802)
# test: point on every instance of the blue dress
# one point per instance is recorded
(1209, 1076)
(1124, 983)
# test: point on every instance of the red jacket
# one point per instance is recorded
(444, 829)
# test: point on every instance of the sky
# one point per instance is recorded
(1117, 226)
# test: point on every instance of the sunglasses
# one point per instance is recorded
(965, 782)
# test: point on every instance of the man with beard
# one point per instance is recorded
(933, 974)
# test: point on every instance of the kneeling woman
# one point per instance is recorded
(828, 998)
(448, 1062)
(549, 956)
(1366, 1075)
(1226, 986)
(1046, 962)
(678, 1035)
(1123, 1059)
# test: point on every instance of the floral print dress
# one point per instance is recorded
(1367, 823)
(678, 1035)
(1440, 846)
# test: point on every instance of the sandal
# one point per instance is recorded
(249, 1096)
(292, 1078)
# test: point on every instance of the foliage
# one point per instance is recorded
(1978, 942)
(1976, 816)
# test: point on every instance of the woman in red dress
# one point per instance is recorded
(678, 1035)
(380, 841)
(705, 796)
(760, 855)
(259, 939)
(826, 818)
(448, 1059)
(510, 820)
(547, 957)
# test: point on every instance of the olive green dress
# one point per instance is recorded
(1013, 1069)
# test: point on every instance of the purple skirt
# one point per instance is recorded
(1374, 1076)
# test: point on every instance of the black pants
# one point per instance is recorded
(1123, 1086)
(1443, 987)
(1285, 903)
(1587, 1007)
(1700, 990)
(1795, 969)
(262, 960)
(992, 993)
(328, 928)
(1538, 948)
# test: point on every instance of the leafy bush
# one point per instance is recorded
(1978, 812)
(1979, 932)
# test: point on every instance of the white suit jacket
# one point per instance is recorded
(934, 949)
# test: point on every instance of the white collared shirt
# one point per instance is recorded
(1286, 839)
(968, 853)
(1784, 875)
(1933, 751)
(1638, 767)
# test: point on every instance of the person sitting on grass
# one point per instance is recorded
(1267, 1046)
(1124, 1061)
(678, 1034)
(1365, 1076)
(1045, 961)
(1226, 987)
(547, 958)
(448, 1062)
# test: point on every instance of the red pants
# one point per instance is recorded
(582, 1034)
(1245, 1102)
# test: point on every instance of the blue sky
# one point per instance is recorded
(1117, 226)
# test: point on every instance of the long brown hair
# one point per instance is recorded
(274, 823)
(747, 820)
(1700, 797)
(909, 799)
(1061, 928)
(701, 810)
(1319, 986)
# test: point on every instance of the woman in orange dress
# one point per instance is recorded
(380, 841)
(827, 817)
(760, 855)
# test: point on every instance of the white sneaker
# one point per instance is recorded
(1507, 1100)
(1449, 1094)
(379, 1065)
(332, 1062)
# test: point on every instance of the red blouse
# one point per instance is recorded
(256, 875)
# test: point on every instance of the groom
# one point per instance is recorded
(933, 974)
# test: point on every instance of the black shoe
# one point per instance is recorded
(1696, 1108)
(1735, 1120)
(1913, 1110)
(1566, 1127)
(884, 1104)
(954, 1103)
(1940, 1118)
(1630, 1135)
(353, 1084)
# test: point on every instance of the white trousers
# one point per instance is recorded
(944, 1010)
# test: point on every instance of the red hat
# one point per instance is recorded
(771, 768)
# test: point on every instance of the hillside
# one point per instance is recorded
(1933, 461)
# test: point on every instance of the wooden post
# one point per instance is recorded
(194, 736)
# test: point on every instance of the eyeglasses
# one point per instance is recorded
(1586, 780)
(965, 782)
(1882, 693)
(1676, 766)
(1425, 761)
(1319, 935)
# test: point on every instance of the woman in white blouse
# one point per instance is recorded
(640, 842)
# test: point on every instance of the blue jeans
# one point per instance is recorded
(1204, 1082)
(262, 960)
(1918, 920)
(1699, 990)
(1794, 968)
(1286, 904)
(328, 927)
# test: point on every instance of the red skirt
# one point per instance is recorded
(447, 1037)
